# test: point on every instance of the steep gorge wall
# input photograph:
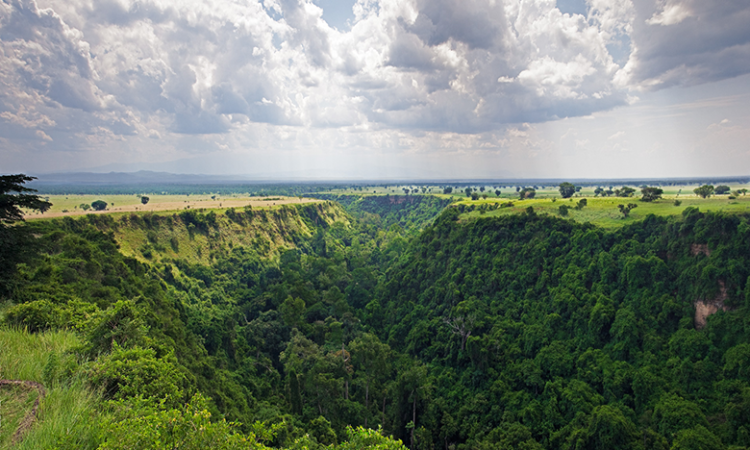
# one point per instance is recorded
(198, 236)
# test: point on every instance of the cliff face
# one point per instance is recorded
(198, 236)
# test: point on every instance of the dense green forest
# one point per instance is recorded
(515, 332)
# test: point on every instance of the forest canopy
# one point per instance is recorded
(521, 331)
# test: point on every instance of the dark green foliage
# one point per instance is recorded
(567, 189)
(651, 194)
(526, 193)
(625, 191)
(722, 189)
(521, 331)
(625, 209)
(704, 191)
(16, 242)
(99, 205)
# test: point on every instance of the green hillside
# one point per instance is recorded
(300, 324)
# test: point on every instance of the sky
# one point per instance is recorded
(377, 89)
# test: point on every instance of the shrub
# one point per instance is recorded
(35, 316)
(136, 372)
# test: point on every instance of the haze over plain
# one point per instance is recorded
(377, 89)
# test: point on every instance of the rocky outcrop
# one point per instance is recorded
(705, 308)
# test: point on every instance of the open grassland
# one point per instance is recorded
(70, 205)
(509, 191)
(603, 211)
(68, 404)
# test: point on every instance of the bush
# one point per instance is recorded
(186, 428)
(35, 316)
(137, 372)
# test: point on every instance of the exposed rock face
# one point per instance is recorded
(704, 308)
(695, 249)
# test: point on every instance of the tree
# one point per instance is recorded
(11, 204)
(447, 190)
(468, 191)
(582, 203)
(526, 193)
(372, 358)
(99, 205)
(722, 189)
(16, 243)
(498, 192)
(564, 210)
(567, 189)
(474, 196)
(598, 191)
(625, 191)
(625, 210)
(651, 193)
(704, 191)
(144, 199)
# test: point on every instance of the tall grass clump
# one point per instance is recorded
(66, 418)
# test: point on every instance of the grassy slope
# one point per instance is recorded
(43, 357)
(270, 229)
(69, 410)
(604, 212)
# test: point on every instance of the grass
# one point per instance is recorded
(63, 205)
(272, 228)
(65, 414)
(604, 211)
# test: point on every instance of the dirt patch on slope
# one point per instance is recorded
(696, 249)
(704, 308)
(31, 416)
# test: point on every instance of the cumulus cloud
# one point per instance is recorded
(688, 42)
(81, 72)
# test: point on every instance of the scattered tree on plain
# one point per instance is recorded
(722, 189)
(625, 191)
(567, 189)
(99, 205)
(144, 199)
(526, 193)
(704, 191)
(651, 193)
(625, 210)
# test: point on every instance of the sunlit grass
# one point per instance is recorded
(604, 211)
(66, 416)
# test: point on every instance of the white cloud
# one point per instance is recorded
(255, 73)
(672, 13)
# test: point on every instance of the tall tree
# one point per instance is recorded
(704, 191)
(567, 189)
(16, 243)
(371, 357)
(651, 193)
